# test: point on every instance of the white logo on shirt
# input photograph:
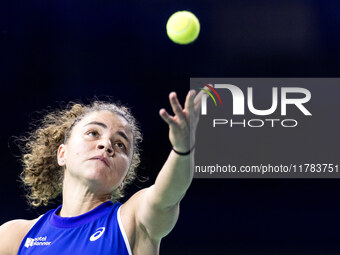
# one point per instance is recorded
(98, 234)
(38, 241)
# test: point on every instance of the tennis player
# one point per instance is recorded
(88, 153)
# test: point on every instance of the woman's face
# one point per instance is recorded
(99, 151)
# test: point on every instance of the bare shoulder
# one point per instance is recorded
(139, 240)
(128, 217)
(146, 222)
(12, 233)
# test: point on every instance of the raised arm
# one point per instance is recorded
(157, 207)
(176, 175)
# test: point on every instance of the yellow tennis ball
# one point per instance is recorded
(183, 27)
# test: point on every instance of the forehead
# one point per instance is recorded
(110, 119)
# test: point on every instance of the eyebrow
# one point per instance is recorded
(96, 123)
(122, 134)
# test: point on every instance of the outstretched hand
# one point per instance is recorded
(182, 126)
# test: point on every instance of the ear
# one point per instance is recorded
(121, 185)
(61, 155)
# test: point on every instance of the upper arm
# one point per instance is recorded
(150, 219)
(11, 235)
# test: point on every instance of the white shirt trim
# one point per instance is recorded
(123, 232)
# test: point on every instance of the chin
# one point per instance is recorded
(100, 177)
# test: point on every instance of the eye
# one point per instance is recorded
(92, 133)
(120, 145)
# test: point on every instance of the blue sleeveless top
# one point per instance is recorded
(99, 231)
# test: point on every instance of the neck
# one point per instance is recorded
(79, 198)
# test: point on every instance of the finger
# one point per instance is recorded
(192, 114)
(166, 117)
(189, 100)
(200, 94)
(198, 98)
(176, 106)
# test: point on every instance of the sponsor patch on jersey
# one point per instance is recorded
(38, 241)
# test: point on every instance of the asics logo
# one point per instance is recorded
(98, 234)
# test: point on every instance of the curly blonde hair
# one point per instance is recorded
(41, 175)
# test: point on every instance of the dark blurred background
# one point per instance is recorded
(56, 51)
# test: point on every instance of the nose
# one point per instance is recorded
(106, 146)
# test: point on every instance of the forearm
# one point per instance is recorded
(173, 180)
(159, 207)
(176, 175)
